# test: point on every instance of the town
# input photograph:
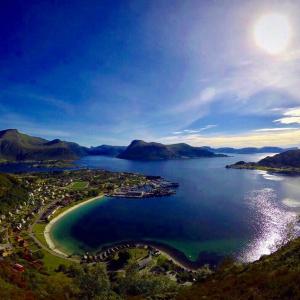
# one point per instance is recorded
(47, 194)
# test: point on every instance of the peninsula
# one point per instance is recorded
(287, 162)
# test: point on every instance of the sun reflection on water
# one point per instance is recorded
(273, 225)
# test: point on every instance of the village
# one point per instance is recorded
(22, 228)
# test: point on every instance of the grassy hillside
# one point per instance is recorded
(18, 146)
(12, 193)
(272, 277)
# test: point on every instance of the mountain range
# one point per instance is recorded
(16, 146)
(248, 150)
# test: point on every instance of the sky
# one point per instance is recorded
(108, 72)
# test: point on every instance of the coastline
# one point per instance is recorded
(176, 256)
(49, 226)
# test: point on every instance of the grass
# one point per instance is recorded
(78, 185)
(137, 253)
(51, 262)
(38, 231)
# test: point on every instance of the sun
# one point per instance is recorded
(273, 33)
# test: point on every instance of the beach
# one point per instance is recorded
(49, 226)
(51, 244)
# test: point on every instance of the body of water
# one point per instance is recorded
(216, 212)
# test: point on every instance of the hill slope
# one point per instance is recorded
(12, 193)
(285, 162)
(248, 150)
(290, 158)
(140, 150)
(272, 277)
(106, 150)
(18, 146)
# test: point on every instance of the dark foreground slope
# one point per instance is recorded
(272, 277)
(286, 162)
(140, 150)
(18, 146)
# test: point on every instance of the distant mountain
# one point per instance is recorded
(140, 150)
(248, 150)
(107, 150)
(18, 146)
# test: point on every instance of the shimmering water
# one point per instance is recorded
(216, 211)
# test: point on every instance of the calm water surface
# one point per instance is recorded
(216, 211)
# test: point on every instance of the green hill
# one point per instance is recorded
(290, 158)
(18, 146)
(273, 277)
(286, 162)
(12, 193)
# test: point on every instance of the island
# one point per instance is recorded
(287, 162)
(144, 151)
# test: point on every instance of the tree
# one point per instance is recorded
(93, 282)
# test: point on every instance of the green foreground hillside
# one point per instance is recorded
(276, 276)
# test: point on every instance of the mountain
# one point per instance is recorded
(290, 158)
(140, 150)
(18, 146)
(285, 162)
(248, 150)
(106, 150)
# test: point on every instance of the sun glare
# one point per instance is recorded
(273, 33)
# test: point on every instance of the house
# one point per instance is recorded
(19, 268)
(144, 262)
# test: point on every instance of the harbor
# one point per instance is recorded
(155, 186)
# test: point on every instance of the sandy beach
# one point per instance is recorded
(49, 226)
(52, 246)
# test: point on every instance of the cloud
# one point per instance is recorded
(275, 129)
(282, 138)
(291, 116)
(26, 93)
(289, 120)
(190, 131)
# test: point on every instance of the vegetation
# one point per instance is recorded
(79, 185)
(287, 162)
(272, 277)
(12, 193)
(18, 146)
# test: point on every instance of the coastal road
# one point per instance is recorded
(31, 234)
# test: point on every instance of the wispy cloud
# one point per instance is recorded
(13, 120)
(190, 131)
(291, 116)
(276, 129)
(258, 139)
(28, 93)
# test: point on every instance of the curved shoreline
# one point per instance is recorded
(171, 253)
(49, 226)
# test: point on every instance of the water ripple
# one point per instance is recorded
(273, 225)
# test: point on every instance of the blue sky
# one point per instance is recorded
(99, 72)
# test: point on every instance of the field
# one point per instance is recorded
(38, 231)
(78, 185)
